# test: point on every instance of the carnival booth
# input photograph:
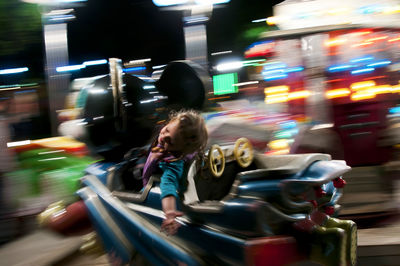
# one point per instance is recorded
(337, 63)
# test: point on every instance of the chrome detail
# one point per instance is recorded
(89, 195)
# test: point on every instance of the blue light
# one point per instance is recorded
(394, 110)
(381, 63)
(70, 68)
(362, 71)
(361, 59)
(95, 62)
(275, 77)
(294, 69)
(304, 15)
(62, 17)
(133, 69)
(257, 43)
(25, 91)
(149, 87)
(370, 9)
(169, 2)
(288, 124)
(271, 66)
(339, 68)
(275, 71)
(13, 70)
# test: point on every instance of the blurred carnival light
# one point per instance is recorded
(13, 70)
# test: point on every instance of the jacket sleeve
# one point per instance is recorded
(170, 179)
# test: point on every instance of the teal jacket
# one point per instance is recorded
(171, 178)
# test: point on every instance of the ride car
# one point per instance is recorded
(240, 208)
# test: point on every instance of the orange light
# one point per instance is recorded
(394, 40)
(396, 88)
(299, 95)
(333, 80)
(362, 95)
(276, 98)
(376, 39)
(360, 33)
(362, 44)
(219, 98)
(374, 51)
(278, 144)
(392, 10)
(276, 89)
(337, 93)
(362, 85)
(381, 89)
(375, 77)
(335, 42)
(273, 20)
(278, 152)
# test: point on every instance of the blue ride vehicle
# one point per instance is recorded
(240, 208)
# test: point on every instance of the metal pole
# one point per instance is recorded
(196, 35)
(56, 50)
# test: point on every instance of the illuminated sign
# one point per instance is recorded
(224, 83)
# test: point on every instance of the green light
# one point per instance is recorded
(253, 61)
(283, 135)
(223, 84)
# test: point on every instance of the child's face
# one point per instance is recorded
(170, 138)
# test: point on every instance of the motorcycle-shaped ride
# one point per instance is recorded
(241, 207)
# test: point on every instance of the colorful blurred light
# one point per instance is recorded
(70, 68)
(362, 95)
(13, 70)
(337, 93)
(95, 62)
(134, 69)
(380, 63)
(276, 89)
(339, 68)
(362, 71)
(298, 95)
(362, 85)
(361, 59)
(334, 42)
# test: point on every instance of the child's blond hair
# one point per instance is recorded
(192, 130)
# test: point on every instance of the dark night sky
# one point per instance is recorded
(134, 29)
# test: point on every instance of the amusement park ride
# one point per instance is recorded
(242, 207)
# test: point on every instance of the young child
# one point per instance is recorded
(183, 136)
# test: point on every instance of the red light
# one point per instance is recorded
(273, 251)
(333, 80)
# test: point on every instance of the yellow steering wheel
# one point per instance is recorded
(216, 160)
(243, 152)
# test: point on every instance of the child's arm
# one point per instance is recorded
(169, 192)
(169, 207)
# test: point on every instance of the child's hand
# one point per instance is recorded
(170, 225)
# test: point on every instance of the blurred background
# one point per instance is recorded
(291, 76)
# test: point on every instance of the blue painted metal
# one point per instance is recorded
(261, 205)
(100, 170)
